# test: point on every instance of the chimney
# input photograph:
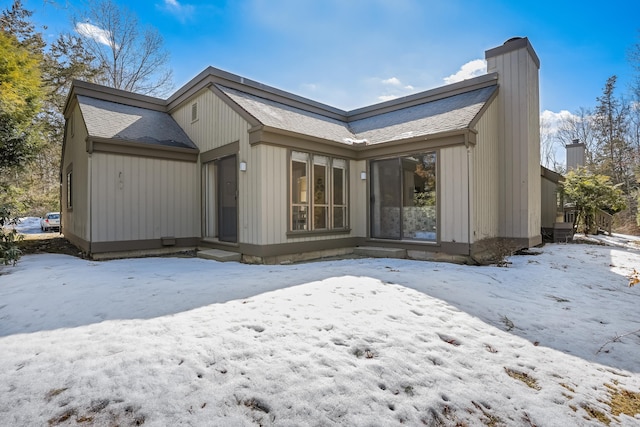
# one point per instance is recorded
(517, 66)
(575, 155)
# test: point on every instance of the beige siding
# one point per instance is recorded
(138, 198)
(519, 124)
(534, 200)
(216, 126)
(271, 185)
(454, 192)
(358, 203)
(217, 123)
(76, 220)
(549, 197)
(264, 208)
(485, 177)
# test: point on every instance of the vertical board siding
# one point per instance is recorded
(272, 218)
(519, 143)
(271, 178)
(358, 200)
(548, 197)
(76, 220)
(454, 190)
(534, 202)
(137, 198)
(217, 123)
(485, 177)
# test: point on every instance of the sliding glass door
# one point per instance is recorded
(403, 198)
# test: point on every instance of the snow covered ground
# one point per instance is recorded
(28, 225)
(363, 342)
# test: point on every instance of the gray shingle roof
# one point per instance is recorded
(431, 117)
(281, 116)
(447, 114)
(110, 120)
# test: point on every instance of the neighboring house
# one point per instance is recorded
(229, 163)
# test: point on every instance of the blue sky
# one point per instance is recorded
(352, 53)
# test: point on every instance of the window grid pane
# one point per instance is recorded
(318, 192)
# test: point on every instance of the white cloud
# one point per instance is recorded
(551, 120)
(93, 32)
(179, 10)
(393, 81)
(471, 69)
(392, 88)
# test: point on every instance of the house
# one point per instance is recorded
(267, 176)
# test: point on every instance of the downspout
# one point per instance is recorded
(467, 145)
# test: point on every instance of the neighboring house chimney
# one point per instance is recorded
(518, 99)
(575, 155)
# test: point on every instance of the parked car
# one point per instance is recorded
(51, 221)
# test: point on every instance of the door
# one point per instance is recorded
(227, 198)
(403, 198)
(385, 199)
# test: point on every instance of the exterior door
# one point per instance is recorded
(403, 198)
(227, 199)
(386, 198)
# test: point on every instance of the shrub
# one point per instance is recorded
(590, 192)
(9, 252)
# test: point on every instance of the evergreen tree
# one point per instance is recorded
(20, 98)
(614, 156)
(590, 192)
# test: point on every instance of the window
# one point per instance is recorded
(403, 198)
(318, 192)
(194, 112)
(70, 189)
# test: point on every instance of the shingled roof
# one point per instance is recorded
(285, 117)
(116, 115)
(430, 117)
(115, 121)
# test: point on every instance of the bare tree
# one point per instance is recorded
(548, 146)
(634, 59)
(579, 126)
(129, 58)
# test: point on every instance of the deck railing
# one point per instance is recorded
(603, 219)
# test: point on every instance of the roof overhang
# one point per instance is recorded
(105, 93)
(132, 148)
(292, 140)
(551, 175)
